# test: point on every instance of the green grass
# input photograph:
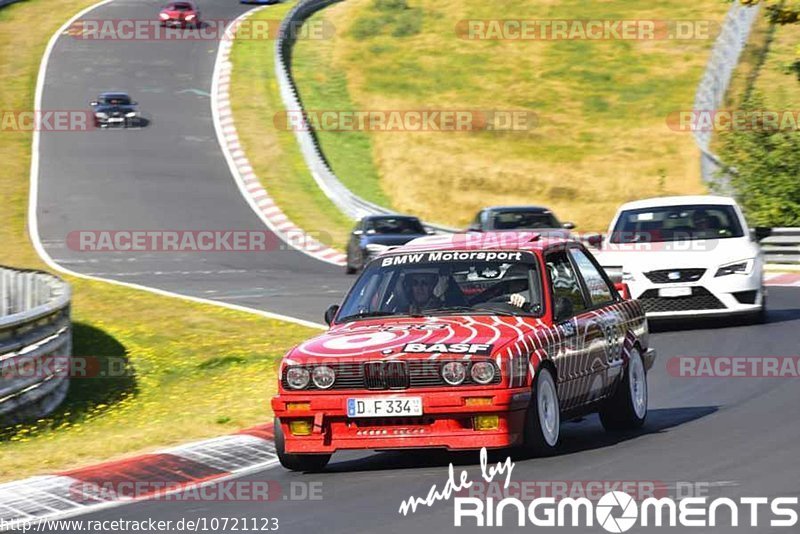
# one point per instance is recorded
(602, 136)
(193, 371)
(273, 151)
(324, 88)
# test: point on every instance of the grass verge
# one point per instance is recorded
(190, 371)
(602, 136)
(273, 152)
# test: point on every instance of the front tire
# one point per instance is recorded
(297, 462)
(627, 409)
(543, 418)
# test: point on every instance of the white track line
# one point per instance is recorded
(33, 224)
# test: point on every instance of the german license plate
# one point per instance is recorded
(671, 292)
(384, 407)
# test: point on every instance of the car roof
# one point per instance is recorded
(518, 208)
(509, 240)
(377, 217)
(682, 200)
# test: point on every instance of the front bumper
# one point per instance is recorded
(711, 296)
(446, 421)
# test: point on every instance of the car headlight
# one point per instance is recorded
(189, 17)
(164, 16)
(130, 114)
(323, 377)
(297, 377)
(101, 115)
(482, 372)
(736, 267)
(454, 373)
(374, 248)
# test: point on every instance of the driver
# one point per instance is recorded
(424, 290)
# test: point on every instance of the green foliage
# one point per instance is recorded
(767, 165)
(388, 17)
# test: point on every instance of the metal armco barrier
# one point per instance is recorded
(35, 331)
(348, 202)
(714, 84)
(782, 247)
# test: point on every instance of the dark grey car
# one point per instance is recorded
(376, 234)
(539, 218)
(114, 109)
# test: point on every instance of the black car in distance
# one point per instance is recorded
(376, 234)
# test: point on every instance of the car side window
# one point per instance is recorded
(567, 293)
(599, 290)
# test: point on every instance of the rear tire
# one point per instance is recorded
(543, 418)
(627, 409)
(297, 462)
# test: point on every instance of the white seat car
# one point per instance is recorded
(687, 256)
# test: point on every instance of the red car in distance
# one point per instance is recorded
(184, 13)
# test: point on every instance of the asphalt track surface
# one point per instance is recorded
(740, 435)
(169, 175)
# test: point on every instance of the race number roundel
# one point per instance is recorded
(356, 343)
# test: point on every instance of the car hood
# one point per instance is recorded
(705, 253)
(459, 337)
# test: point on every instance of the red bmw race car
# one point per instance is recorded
(462, 342)
(183, 13)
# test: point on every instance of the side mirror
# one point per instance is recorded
(761, 232)
(93, 103)
(358, 232)
(563, 309)
(330, 313)
(623, 290)
(594, 240)
(568, 225)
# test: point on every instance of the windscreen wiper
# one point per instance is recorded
(364, 315)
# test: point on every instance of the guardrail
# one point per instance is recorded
(35, 344)
(348, 202)
(782, 247)
(716, 79)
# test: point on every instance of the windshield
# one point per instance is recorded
(394, 225)
(677, 223)
(453, 283)
(116, 100)
(180, 7)
(513, 220)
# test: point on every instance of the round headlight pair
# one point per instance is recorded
(299, 377)
(454, 373)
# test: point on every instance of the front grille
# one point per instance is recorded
(392, 374)
(700, 299)
(683, 275)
